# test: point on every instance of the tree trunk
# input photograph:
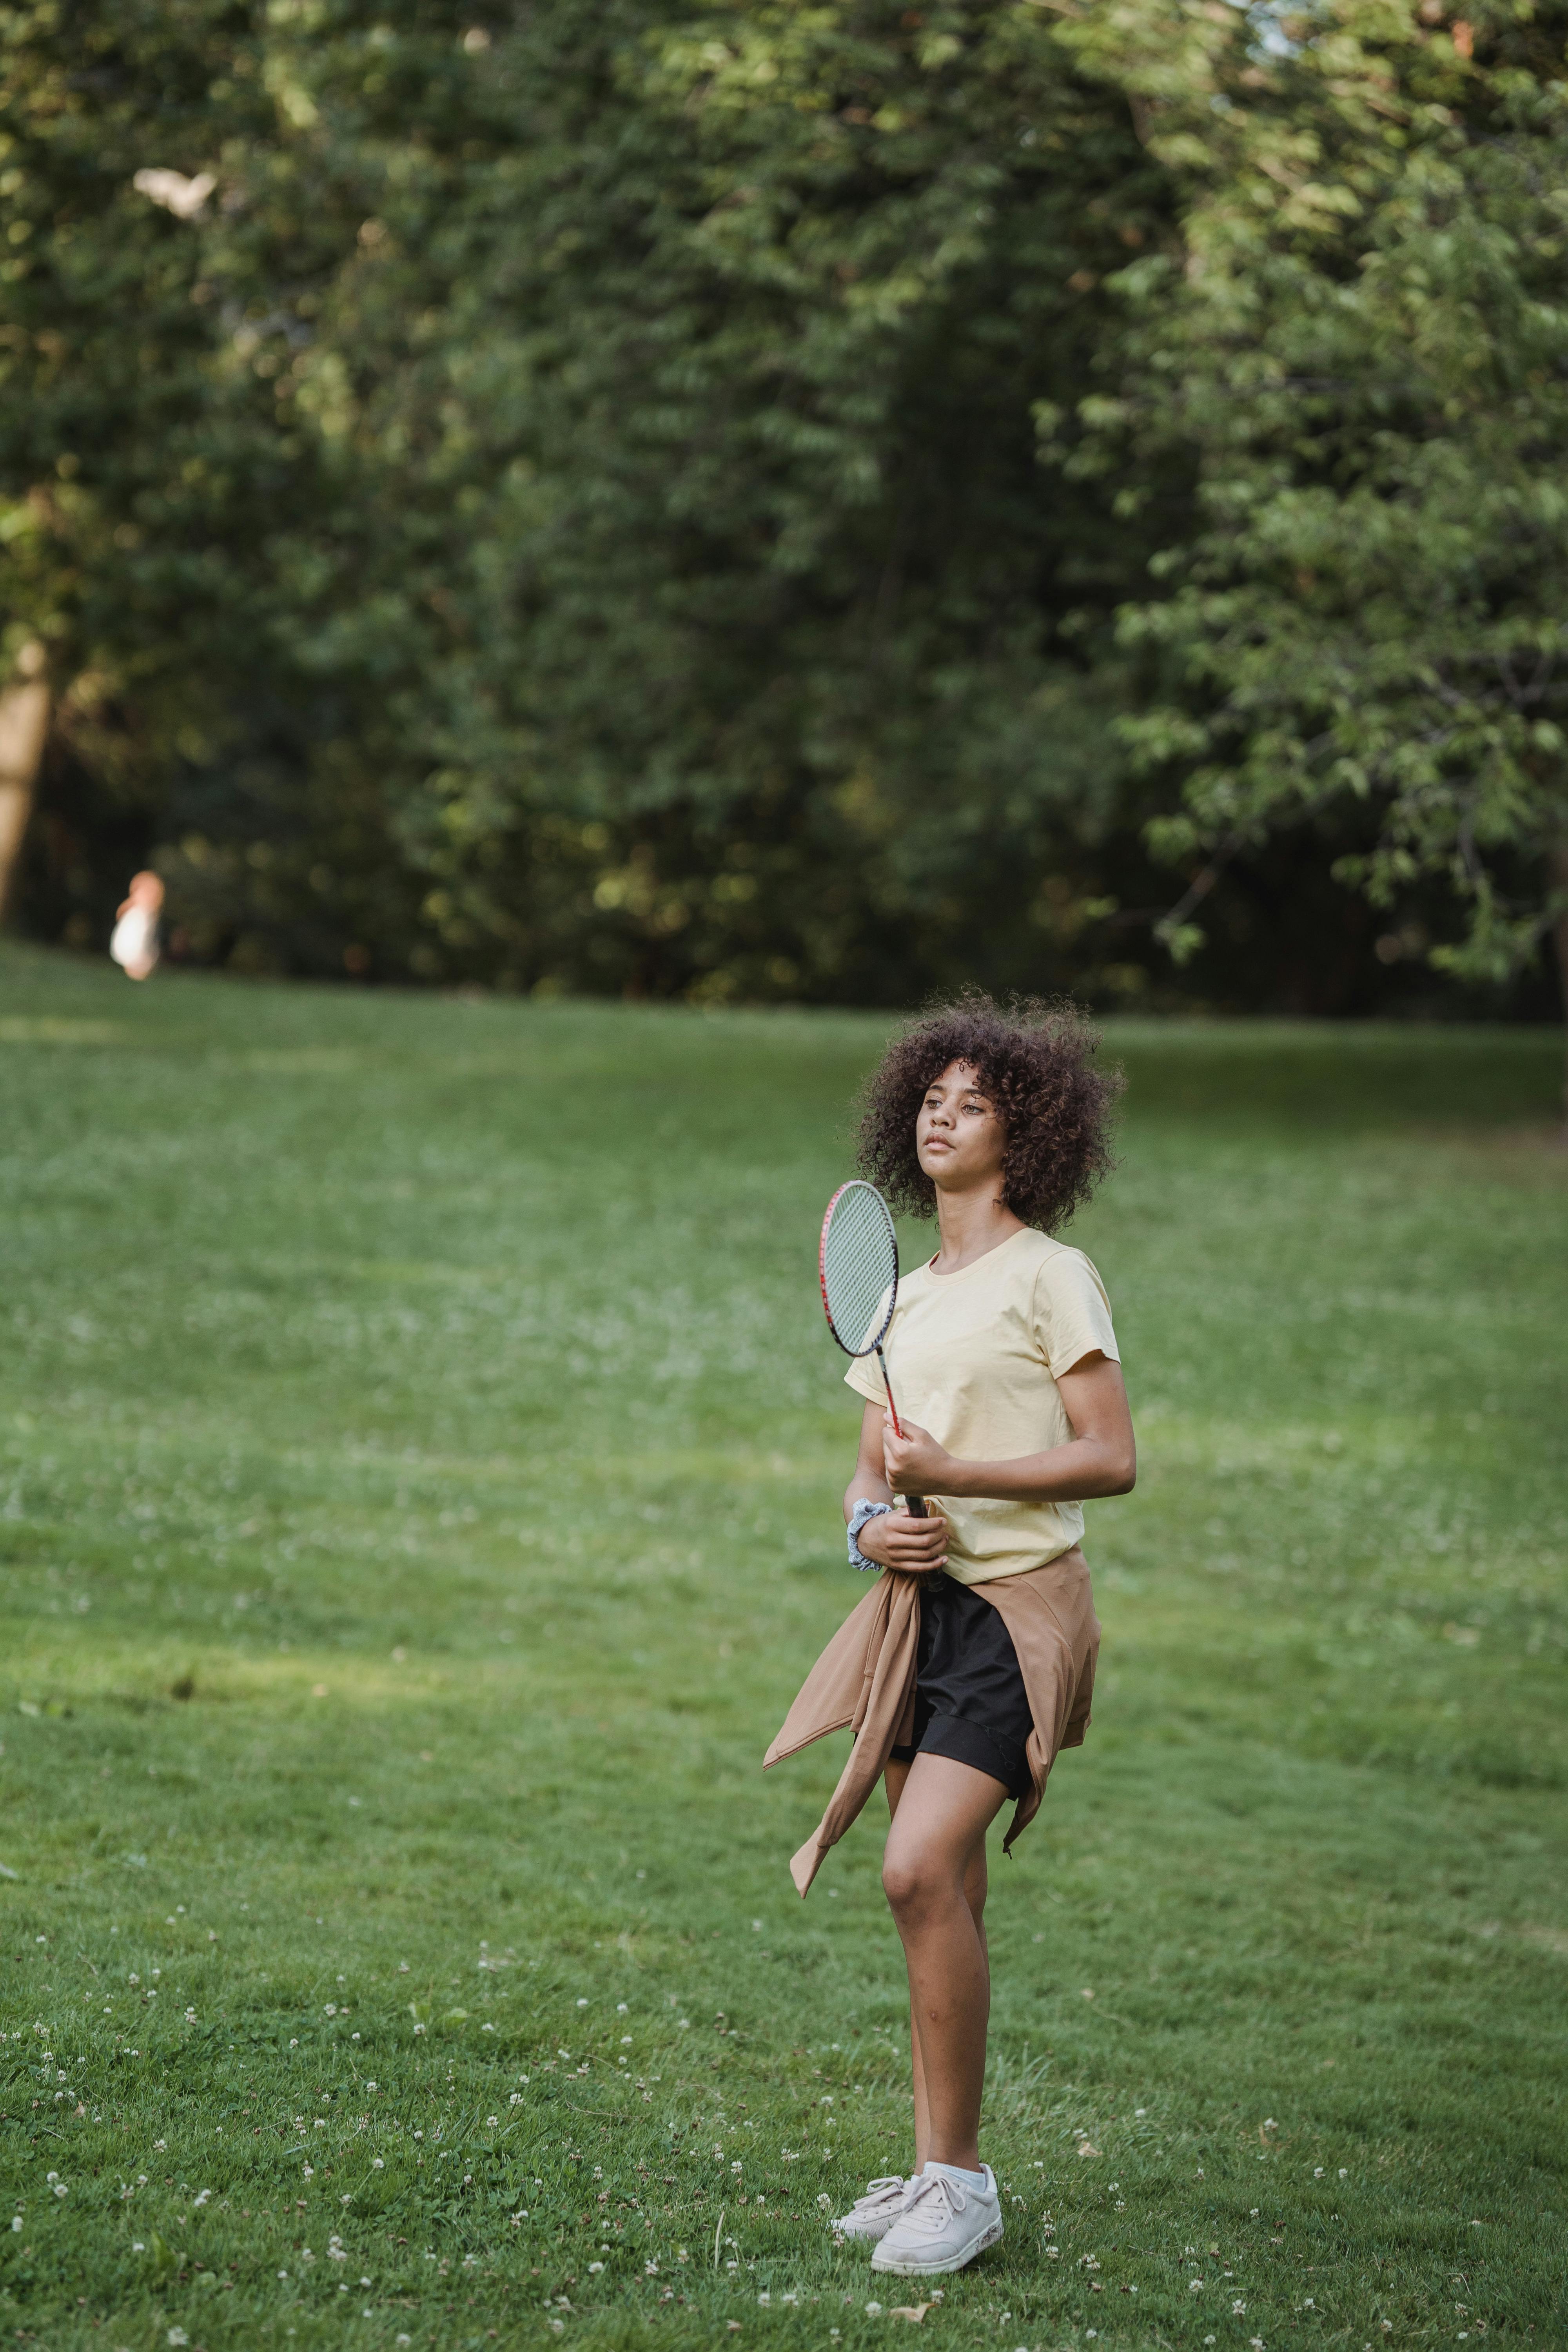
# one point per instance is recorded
(24, 726)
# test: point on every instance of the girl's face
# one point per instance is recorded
(960, 1139)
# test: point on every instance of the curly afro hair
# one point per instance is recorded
(1035, 1062)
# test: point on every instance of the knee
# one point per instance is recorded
(911, 1886)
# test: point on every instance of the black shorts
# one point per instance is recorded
(970, 1700)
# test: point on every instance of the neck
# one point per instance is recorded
(970, 1223)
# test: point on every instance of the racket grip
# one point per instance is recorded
(915, 1506)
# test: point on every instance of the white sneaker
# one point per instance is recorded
(873, 2215)
(944, 2224)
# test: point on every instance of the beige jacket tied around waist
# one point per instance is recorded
(866, 1679)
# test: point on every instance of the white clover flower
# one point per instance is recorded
(873, 2311)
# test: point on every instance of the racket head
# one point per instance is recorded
(858, 1265)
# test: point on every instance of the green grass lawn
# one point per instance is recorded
(420, 1455)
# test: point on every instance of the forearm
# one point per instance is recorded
(866, 1487)
(1073, 1473)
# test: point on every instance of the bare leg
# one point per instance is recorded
(934, 1875)
(974, 1891)
(895, 1776)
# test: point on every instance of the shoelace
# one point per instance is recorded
(931, 2184)
(876, 2191)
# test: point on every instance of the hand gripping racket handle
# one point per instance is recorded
(913, 1504)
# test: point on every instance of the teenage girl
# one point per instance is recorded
(972, 1662)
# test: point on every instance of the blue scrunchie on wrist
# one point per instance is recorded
(858, 1517)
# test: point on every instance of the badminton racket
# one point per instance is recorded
(858, 1265)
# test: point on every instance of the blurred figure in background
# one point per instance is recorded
(133, 943)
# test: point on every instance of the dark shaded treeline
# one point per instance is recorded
(768, 505)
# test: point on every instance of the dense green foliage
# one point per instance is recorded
(791, 502)
(420, 1456)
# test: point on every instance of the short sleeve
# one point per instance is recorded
(865, 1380)
(1072, 1313)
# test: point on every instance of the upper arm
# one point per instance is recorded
(1095, 1396)
(869, 1458)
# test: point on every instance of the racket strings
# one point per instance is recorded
(859, 1269)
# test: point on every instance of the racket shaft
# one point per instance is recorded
(913, 1504)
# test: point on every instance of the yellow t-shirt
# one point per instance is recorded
(973, 1356)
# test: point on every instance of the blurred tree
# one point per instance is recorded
(1362, 348)
(24, 729)
(151, 217)
(716, 603)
